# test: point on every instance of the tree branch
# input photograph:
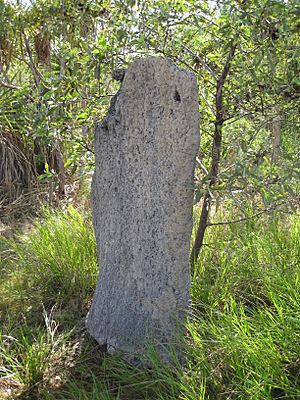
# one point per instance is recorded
(199, 59)
(9, 85)
(31, 64)
(236, 221)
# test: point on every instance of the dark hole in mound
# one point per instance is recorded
(177, 96)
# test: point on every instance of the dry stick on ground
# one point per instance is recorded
(216, 152)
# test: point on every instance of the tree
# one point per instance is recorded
(56, 63)
(236, 49)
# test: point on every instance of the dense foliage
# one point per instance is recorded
(56, 60)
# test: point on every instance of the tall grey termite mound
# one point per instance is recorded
(142, 194)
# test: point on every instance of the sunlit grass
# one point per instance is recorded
(55, 264)
(30, 355)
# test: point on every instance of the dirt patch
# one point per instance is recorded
(9, 387)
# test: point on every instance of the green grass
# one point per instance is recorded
(55, 265)
(242, 342)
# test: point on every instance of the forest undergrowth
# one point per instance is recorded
(242, 340)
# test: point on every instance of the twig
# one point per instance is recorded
(9, 85)
(199, 59)
(236, 221)
(86, 146)
(32, 65)
(207, 102)
(202, 166)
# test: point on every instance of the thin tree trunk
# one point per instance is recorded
(216, 153)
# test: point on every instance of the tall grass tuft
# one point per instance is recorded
(59, 257)
(32, 356)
